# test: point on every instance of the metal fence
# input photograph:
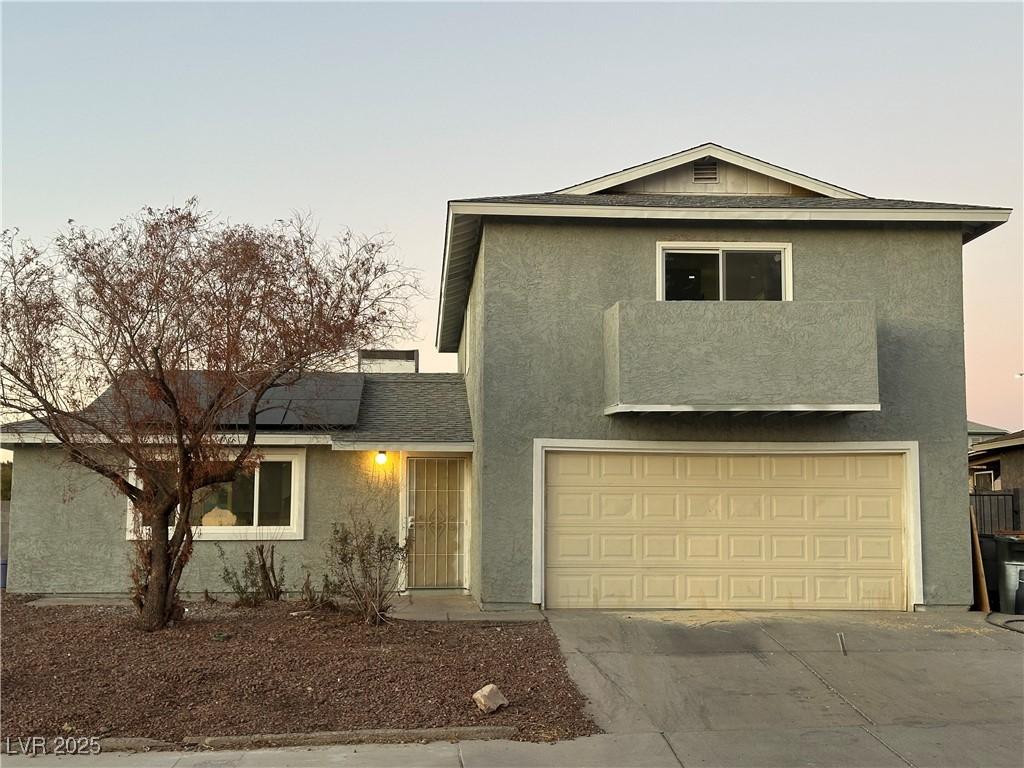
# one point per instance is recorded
(996, 511)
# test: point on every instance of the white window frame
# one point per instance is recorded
(992, 479)
(786, 249)
(295, 530)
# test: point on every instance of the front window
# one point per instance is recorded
(265, 504)
(724, 273)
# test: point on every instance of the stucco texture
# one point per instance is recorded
(547, 285)
(756, 353)
(68, 526)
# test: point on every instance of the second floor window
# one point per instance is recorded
(729, 274)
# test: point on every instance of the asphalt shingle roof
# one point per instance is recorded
(406, 407)
(412, 407)
(721, 201)
(975, 427)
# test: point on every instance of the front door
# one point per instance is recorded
(436, 522)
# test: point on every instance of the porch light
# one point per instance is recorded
(382, 457)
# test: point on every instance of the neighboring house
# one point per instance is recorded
(704, 381)
(998, 464)
(978, 433)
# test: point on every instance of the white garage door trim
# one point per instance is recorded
(911, 487)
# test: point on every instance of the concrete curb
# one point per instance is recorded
(369, 736)
(135, 744)
(313, 739)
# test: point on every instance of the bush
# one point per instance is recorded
(316, 599)
(365, 566)
(259, 580)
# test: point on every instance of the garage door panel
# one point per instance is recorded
(735, 508)
(668, 588)
(666, 530)
(616, 507)
(665, 546)
(659, 507)
(651, 470)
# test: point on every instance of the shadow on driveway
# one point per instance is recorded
(728, 688)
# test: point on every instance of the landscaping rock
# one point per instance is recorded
(490, 698)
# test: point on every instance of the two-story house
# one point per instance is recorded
(708, 381)
(703, 381)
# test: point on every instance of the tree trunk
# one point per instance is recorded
(160, 570)
(154, 610)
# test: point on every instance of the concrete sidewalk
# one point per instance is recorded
(950, 746)
(603, 750)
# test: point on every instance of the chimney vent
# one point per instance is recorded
(389, 361)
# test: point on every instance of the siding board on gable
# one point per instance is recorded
(732, 180)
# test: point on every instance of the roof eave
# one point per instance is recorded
(263, 437)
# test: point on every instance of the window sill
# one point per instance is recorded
(239, 533)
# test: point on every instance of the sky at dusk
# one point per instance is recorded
(373, 116)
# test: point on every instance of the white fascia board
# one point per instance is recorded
(446, 260)
(36, 438)
(25, 438)
(406, 445)
(711, 150)
(986, 215)
(734, 407)
(980, 449)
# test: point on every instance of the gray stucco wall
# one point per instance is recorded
(471, 364)
(68, 526)
(547, 285)
(740, 353)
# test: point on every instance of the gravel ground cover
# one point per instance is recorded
(87, 670)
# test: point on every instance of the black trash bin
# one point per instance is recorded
(1010, 559)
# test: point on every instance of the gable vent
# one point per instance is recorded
(705, 171)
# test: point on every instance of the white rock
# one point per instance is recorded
(490, 698)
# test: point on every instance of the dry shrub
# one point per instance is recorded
(259, 580)
(365, 559)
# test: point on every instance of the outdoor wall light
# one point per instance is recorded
(382, 457)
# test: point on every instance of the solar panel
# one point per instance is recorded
(316, 400)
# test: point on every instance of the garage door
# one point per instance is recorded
(632, 530)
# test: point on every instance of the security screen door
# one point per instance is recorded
(436, 522)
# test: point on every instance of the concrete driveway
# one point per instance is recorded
(723, 688)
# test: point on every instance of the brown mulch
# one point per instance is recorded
(225, 671)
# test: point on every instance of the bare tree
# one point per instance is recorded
(187, 326)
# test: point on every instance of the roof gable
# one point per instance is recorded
(740, 175)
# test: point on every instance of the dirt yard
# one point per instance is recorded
(225, 671)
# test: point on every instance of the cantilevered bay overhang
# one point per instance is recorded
(737, 356)
(462, 240)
